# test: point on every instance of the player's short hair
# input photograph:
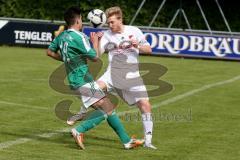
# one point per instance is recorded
(114, 11)
(71, 14)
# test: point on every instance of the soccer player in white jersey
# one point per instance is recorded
(123, 44)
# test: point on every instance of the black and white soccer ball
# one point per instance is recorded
(97, 17)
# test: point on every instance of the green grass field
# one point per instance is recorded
(197, 120)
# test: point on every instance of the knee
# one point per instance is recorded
(102, 85)
(144, 106)
(145, 103)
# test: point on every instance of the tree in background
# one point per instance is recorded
(54, 9)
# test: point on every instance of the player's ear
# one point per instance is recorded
(78, 21)
(120, 19)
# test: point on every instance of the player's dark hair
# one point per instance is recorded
(71, 14)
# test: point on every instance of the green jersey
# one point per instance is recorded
(75, 49)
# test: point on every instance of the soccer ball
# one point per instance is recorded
(97, 17)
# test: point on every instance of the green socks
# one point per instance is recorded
(93, 119)
(117, 126)
(96, 117)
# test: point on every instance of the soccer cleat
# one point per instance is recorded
(150, 146)
(78, 138)
(77, 117)
(133, 143)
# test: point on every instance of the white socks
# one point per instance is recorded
(148, 127)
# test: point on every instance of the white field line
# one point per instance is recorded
(23, 105)
(186, 94)
(8, 144)
(21, 80)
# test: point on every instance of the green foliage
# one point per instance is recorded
(54, 9)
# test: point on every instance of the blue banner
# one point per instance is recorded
(190, 44)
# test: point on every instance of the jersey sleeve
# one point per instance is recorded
(54, 45)
(141, 38)
(85, 48)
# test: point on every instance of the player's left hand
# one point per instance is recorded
(94, 37)
(99, 34)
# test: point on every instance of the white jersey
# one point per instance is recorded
(119, 47)
(122, 75)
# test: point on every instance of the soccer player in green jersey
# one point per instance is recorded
(123, 44)
(75, 50)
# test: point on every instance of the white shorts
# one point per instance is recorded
(127, 89)
(90, 93)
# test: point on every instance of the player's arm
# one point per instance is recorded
(145, 49)
(95, 39)
(52, 50)
(141, 43)
(54, 55)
